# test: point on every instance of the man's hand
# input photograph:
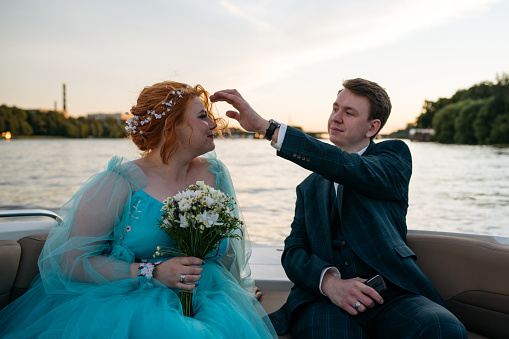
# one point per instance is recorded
(246, 116)
(346, 293)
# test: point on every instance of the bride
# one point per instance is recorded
(98, 277)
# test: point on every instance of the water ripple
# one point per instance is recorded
(453, 188)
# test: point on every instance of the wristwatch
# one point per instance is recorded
(272, 127)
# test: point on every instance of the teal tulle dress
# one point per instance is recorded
(84, 289)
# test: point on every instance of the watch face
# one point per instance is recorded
(277, 123)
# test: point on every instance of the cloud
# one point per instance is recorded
(308, 35)
(238, 13)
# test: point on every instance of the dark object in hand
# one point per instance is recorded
(377, 283)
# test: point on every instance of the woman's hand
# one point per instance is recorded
(257, 293)
(179, 272)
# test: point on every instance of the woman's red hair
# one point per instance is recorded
(148, 135)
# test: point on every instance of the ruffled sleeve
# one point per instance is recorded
(84, 249)
(238, 252)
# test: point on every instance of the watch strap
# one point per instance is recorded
(272, 128)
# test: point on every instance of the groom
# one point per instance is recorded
(349, 226)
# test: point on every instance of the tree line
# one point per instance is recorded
(475, 116)
(22, 122)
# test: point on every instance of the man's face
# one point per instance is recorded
(349, 126)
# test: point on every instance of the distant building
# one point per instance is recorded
(421, 134)
(103, 116)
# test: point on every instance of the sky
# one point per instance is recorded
(287, 58)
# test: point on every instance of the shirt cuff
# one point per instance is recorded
(280, 137)
(334, 272)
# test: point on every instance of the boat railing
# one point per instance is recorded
(21, 223)
(29, 213)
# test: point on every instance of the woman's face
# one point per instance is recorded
(195, 135)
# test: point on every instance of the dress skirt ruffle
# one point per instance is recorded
(222, 309)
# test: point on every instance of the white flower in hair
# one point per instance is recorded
(136, 120)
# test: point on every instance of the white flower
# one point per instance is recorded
(184, 223)
(209, 201)
(230, 213)
(185, 204)
(208, 219)
(217, 194)
(201, 185)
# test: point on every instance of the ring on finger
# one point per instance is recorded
(357, 305)
(182, 277)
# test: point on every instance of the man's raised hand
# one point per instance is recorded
(245, 114)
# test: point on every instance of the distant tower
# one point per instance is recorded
(65, 105)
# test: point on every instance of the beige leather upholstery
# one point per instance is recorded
(272, 301)
(10, 252)
(31, 247)
(472, 276)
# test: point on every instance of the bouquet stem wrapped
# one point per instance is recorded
(198, 219)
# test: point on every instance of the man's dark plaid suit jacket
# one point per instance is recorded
(374, 192)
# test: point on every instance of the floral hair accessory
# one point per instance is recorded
(136, 120)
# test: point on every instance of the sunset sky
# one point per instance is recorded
(287, 58)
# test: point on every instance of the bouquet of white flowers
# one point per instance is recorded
(198, 219)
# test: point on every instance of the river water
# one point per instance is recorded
(453, 188)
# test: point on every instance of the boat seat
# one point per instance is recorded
(272, 301)
(31, 247)
(10, 252)
(473, 279)
(472, 275)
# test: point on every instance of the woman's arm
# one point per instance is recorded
(85, 249)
